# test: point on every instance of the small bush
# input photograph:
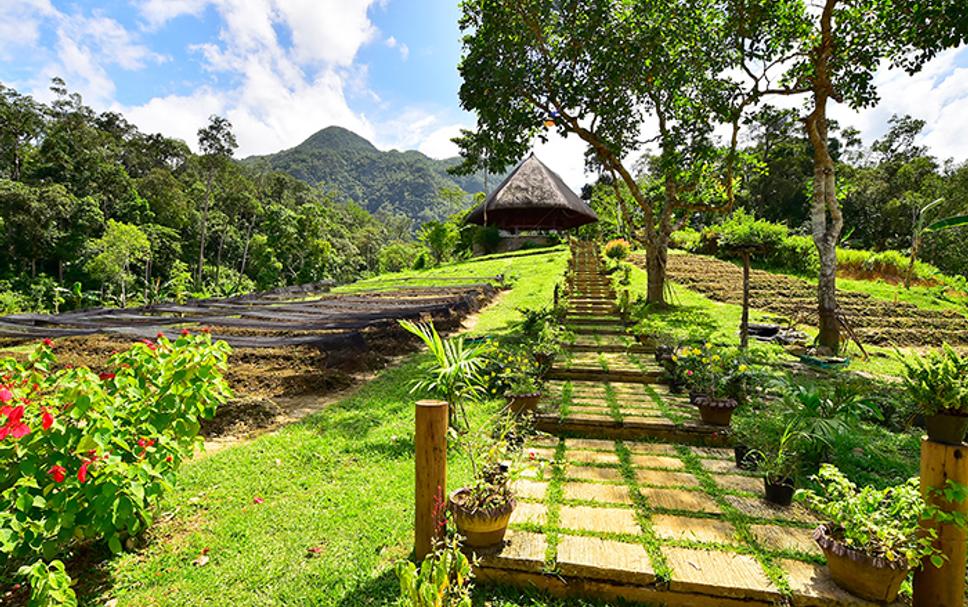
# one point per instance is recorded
(617, 249)
(797, 254)
(686, 239)
(86, 456)
(743, 230)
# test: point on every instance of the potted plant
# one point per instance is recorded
(746, 429)
(711, 377)
(938, 384)
(871, 537)
(523, 392)
(778, 466)
(481, 511)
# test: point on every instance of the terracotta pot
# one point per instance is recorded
(523, 403)
(864, 576)
(779, 491)
(746, 458)
(947, 429)
(481, 529)
(714, 411)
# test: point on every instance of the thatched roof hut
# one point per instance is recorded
(533, 197)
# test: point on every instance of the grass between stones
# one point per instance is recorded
(643, 514)
(613, 404)
(740, 522)
(553, 499)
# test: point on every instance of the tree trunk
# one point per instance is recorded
(744, 326)
(218, 258)
(204, 234)
(656, 259)
(245, 254)
(826, 217)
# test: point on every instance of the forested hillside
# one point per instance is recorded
(405, 182)
(94, 211)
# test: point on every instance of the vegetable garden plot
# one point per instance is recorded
(292, 317)
(875, 321)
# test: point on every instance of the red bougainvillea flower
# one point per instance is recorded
(169, 459)
(82, 471)
(46, 420)
(58, 473)
(257, 500)
(14, 426)
(688, 371)
(106, 376)
(5, 394)
(186, 332)
(49, 343)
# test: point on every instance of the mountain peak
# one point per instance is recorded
(336, 137)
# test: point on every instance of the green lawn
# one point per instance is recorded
(340, 482)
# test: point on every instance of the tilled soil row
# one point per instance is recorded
(875, 321)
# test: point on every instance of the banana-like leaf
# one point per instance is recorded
(947, 222)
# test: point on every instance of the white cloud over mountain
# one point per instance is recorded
(282, 69)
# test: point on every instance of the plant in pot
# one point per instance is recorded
(523, 392)
(779, 465)
(746, 430)
(938, 383)
(481, 511)
(871, 537)
(710, 376)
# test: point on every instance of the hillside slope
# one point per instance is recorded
(408, 182)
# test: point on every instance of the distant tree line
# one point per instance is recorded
(94, 211)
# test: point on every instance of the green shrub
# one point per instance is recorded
(686, 239)
(743, 230)
(86, 456)
(443, 579)
(797, 254)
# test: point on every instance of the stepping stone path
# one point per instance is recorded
(634, 498)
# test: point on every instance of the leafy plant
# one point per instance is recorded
(490, 453)
(522, 383)
(938, 381)
(711, 371)
(86, 456)
(454, 373)
(878, 522)
(443, 579)
(617, 249)
(781, 460)
(825, 414)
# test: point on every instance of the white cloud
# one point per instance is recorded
(402, 48)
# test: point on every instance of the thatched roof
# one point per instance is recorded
(533, 197)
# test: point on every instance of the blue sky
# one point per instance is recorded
(282, 69)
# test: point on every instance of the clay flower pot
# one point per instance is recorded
(714, 411)
(778, 491)
(945, 428)
(523, 403)
(482, 529)
(871, 578)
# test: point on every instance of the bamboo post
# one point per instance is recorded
(943, 586)
(744, 325)
(430, 445)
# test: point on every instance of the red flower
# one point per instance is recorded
(206, 330)
(14, 426)
(257, 500)
(106, 376)
(5, 394)
(82, 472)
(186, 332)
(58, 473)
(47, 420)
(160, 335)
(169, 459)
(49, 343)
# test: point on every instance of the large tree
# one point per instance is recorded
(217, 143)
(836, 61)
(626, 77)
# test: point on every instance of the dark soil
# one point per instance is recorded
(875, 321)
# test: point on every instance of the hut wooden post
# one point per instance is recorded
(430, 445)
(943, 586)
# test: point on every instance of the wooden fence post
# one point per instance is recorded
(430, 445)
(943, 586)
